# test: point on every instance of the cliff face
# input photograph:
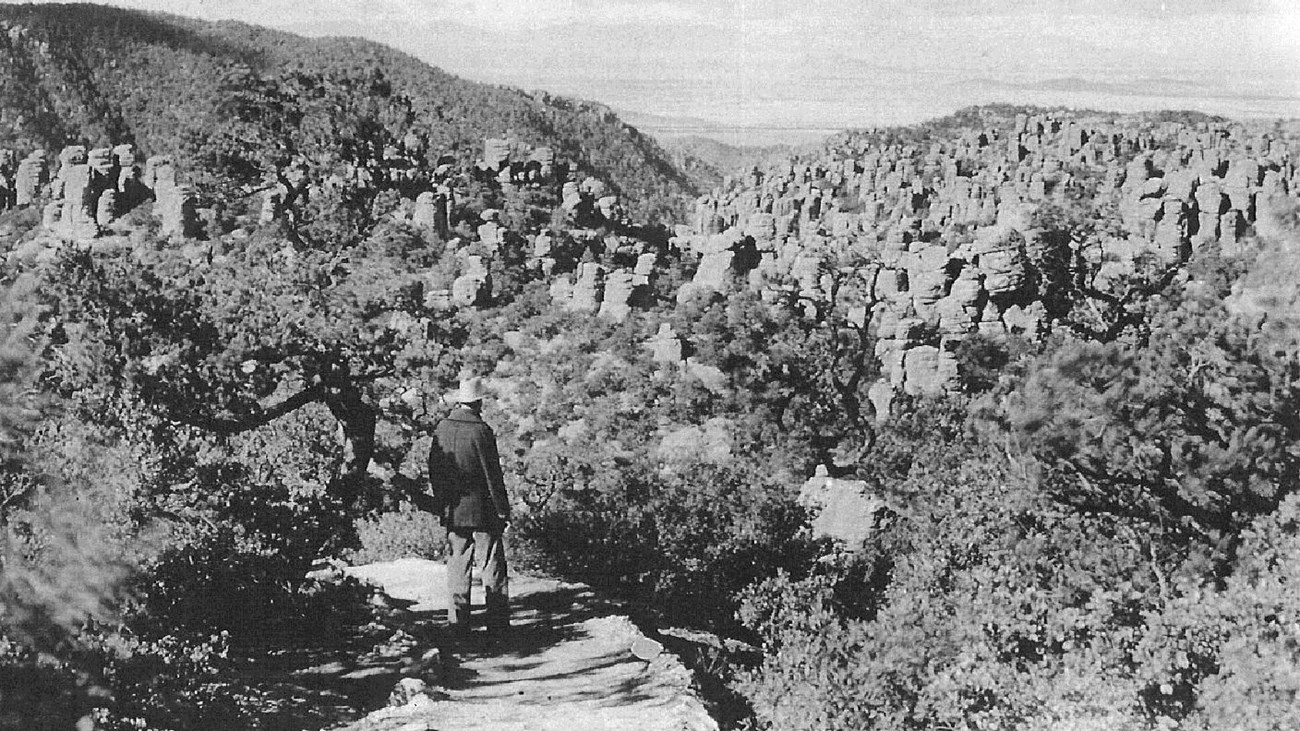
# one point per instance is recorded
(993, 224)
(98, 77)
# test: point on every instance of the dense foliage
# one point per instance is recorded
(1086, 546)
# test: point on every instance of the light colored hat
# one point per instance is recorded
(471, 390)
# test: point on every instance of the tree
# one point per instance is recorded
(326, 143)
(1188, 427)
(228, 344)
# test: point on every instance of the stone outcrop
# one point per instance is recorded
(8, 183)
(74, 193)
(666, 347)
(91, 190)
(588, 290)
(173, 201)
(433, 210)
(511, 162)
(474, 286)
(620, 290)
(31, 178)
(496, 153)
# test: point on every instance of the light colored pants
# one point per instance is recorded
(464, 543)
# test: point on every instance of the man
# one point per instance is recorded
(470, 496)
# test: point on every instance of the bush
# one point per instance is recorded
(37, 693)
(981, 605)
(405, 532)
(691, 540)
(172, 682)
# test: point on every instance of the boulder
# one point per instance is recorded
(106, 209)
(570, 196)
(609, 208)
(102, 161)
(844, 510)
(491, 234)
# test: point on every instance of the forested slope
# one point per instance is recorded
(85, 74)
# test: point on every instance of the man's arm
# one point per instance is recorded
(491, 461)
(435, 499)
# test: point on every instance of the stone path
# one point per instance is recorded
(567, 663)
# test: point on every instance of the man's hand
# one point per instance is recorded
(427, 503)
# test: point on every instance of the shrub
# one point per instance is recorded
(690, 539)
(174, 682)
(37, 693)
(1226, 656)
(981, 605)
(405, 532)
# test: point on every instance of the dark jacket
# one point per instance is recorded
(465, 473)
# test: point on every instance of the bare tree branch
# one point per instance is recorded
(220, 425)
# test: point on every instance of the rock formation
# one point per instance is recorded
(32, 177)
(941, 241)
(474, 286)
(8, 176)
(843, 509)
(91, 190)
(666, 346)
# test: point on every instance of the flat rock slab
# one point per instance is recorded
(567, 664)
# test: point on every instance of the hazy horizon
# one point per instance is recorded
(761, 71)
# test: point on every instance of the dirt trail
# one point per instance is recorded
(565, 665)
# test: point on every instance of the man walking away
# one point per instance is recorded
(465, 474)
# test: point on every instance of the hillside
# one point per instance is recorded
(985, 422)
(709, 161)
(98, 76)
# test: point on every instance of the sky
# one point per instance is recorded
(766, 71)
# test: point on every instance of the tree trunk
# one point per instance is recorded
(357, 420)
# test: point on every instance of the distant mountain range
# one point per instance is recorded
(743, 137)
(1142, 87)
